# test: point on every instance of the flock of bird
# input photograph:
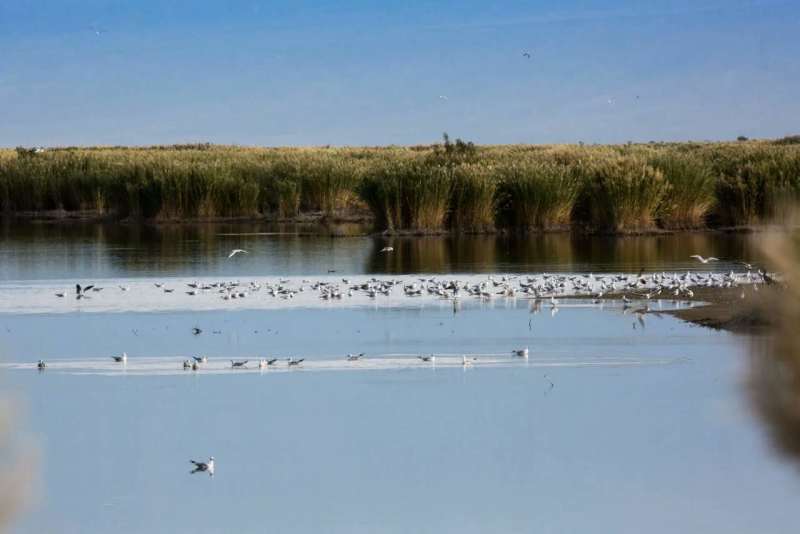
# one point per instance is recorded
(196, 362)
(540, 286)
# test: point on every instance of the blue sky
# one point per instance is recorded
(355, 72)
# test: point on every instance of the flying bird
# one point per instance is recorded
(703, 260)
(387, 249)
(242, 363)
(526, 54)
(203, 467)
(443, 97)
(236, 251)
(121, 359)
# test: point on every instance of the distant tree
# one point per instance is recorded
(453, 153)
(742, 138)
(788, 140)
(23, 152)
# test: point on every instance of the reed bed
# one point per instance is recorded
(690, 196)
(539, 195)
(453, 185)
(624, 193)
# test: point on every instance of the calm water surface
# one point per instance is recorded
(47, 251)
(663, 443)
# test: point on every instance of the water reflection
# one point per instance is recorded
(47, 250)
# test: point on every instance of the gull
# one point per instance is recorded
(159, 284)
(271, 361)
(242, 363)
(194, 366)
(204, 467)
(236, 251)
(292, 361)
(41, 365)
(526, 54)
(443, 97)
(80, 292)
(196, 331)
(522, 353)
(703, 260)
(354, 357)
(121, 359)
(746, 265)
(200, 359)
(124, 288)
(387, 249)
(187, 364)
(465, 362)
(60, 294)
(262, 363)
(431, 358)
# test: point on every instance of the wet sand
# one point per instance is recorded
(737, 309)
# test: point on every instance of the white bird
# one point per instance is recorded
(465, 362)
(431, 358)
(443, 97)
(121, 359)
(204, 467)
(387, 249)
(236, 251)
(703, 260)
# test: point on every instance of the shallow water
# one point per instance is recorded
(610, 425)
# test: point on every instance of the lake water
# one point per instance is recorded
(611, 424)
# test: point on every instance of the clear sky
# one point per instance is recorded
(357, 72)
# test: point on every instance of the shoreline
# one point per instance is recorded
(366, 220)
(725, 309)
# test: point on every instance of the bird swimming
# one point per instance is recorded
(242, 363)
(203, 467)
(354, 357)
(292, 361)
(521, 353)
(41, 365)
